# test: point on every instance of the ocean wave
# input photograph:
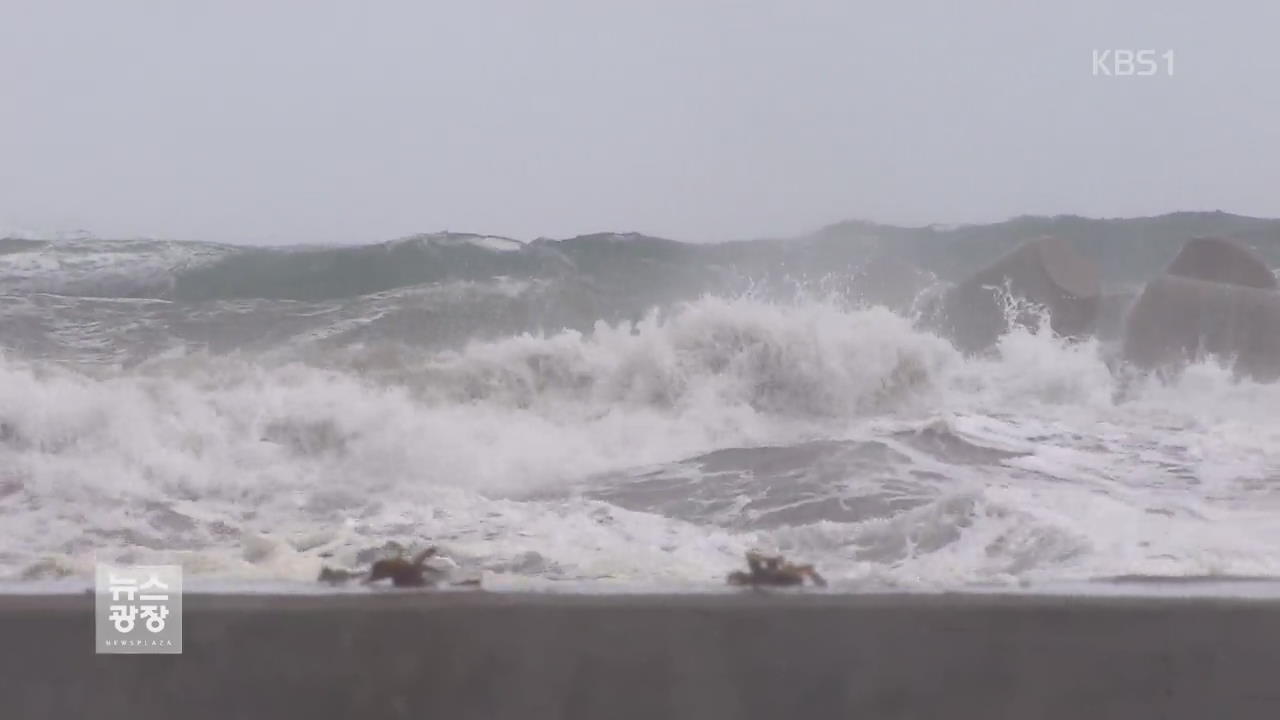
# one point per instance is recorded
(620, 267)
(644, 451)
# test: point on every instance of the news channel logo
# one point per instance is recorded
(1132, 62)
(138, 609)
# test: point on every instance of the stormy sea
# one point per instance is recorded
(618, 411)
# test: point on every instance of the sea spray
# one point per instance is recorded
(620, 413)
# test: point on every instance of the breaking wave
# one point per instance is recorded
(641, 452)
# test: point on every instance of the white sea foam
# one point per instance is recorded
(244, 467)
(86, 265)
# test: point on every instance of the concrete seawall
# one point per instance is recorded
(480, 655)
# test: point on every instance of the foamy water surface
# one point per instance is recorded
(255, 440)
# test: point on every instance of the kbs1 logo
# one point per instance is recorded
(1132, 63)
(138, 609)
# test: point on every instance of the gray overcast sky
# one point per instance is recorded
(345, 121)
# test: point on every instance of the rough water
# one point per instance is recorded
(607, 411)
